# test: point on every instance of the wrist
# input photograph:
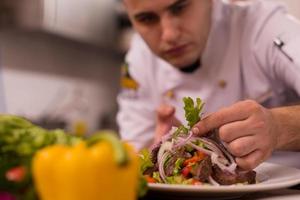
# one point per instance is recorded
(286, 128)
(278, 130)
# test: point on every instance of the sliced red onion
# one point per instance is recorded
(183, 141)
(211, 145)
(166, 146)
(201, 149)
(169, 134)
(214, 138)
(232, 168)
(216, 160)
(229, 156)
(219, 155)
(230, 159)
(161, 169)
(212, 181)
(207, 143)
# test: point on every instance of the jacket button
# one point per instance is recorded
(170, 94)
(222, 84)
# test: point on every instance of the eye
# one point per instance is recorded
(178, 8)
(147, 19)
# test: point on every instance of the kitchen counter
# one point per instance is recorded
(284, 194)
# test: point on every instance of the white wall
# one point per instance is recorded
(86, 20)
(44, 74)
(293, 5)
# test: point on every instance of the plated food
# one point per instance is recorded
(183, 158)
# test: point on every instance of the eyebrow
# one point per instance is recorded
(173, 5)
(176, 3)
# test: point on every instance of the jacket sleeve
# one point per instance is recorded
(277, 49)
(136, 115)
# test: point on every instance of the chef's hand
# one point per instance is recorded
(248, 128)
(165, 120)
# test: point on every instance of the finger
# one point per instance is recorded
(235, 130)
(251, 160)
(163, 128)
(165, 121)
(242, 146)
(165, 112)
(176, 122)
(160, 131)
(219, 118)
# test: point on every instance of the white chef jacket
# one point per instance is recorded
(253, 52)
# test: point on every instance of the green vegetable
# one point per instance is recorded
(143, 186)
(179, 130)
(199, 143)
(167, 160)
(192, 111)
(145, 160)
(189, 148)
(156, 176)
(178, 164)
(177, 179)
(21, 138)
(145, 163)
(19, 141)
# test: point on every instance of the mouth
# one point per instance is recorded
(176, 51)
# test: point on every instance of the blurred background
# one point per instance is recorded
(60, 59)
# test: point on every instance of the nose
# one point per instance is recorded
(170, 29)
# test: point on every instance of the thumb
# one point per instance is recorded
(164, 113)
(165, 119)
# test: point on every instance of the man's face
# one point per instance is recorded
(175, 30)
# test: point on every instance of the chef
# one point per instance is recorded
(242, 59)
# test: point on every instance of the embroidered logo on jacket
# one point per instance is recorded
(127, 82)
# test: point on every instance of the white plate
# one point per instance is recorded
(270, 177)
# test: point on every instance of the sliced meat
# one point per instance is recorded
(213, 136)
(226, 178)
(154, 152)
(246, 176)
(150, 170)
(202, 170)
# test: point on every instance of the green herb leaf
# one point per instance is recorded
(180, 130)
(192, 111)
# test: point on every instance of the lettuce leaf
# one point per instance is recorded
(156, 176)
(145, 160)
(142, 186)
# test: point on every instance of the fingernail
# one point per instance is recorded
(169, 109)
(195, 130)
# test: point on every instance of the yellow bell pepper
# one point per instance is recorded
(96, 171)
